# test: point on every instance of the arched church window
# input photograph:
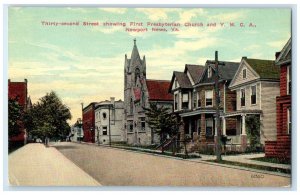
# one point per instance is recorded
(131, 106)
(137, 74)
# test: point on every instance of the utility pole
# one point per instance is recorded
(217, 102)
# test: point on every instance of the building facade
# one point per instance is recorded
(18, 91)
(88, 123)
(256, 84)
(109, 121)
(194, 101)
(281, 147)
(139, 92)
(76, 134)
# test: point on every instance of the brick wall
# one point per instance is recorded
(88, 123)
(283, 80)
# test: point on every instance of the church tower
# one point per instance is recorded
(134, 90)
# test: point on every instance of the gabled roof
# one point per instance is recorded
(226, 71)
(158, 90)
(195, 71)
(266, 69)
(285, 54)
(183, 80)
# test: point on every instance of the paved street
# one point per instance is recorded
(36, 165)
(117, 167)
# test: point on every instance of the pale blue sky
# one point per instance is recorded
(84, 64)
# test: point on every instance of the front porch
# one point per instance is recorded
(200, 131)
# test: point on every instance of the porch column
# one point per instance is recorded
(243, 124)
(216, 129)
(243, 134)
(224, 125)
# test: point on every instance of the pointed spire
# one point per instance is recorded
(135, 53)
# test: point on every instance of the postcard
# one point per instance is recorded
(157, 97)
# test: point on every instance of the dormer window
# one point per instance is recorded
(244, 73)
(209, 72)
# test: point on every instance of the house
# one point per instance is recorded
(76, 134)
(281, 147)
(109, 121)
(194, 101)
(19, 92)
(139, 92)
(256, 84)
(88, 122)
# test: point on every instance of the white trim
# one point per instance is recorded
(212, 98)
(190, 78)
(260, 95)
(287, 79)
(209, 72)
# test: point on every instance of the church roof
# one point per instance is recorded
(158, 90)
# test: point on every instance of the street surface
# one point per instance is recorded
(110, 166)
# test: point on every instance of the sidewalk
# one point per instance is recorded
(241, 158)
(36, 165)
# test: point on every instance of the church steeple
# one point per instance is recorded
(135, 53)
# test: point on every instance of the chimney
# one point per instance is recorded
(277, 54)
(244, 57)
(112, 100)
(25, 80)
(8, 80)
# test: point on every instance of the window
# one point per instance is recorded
(104, 115)
(208, 98)
(253, 94)
(209, 127)
(198, 100)
(244, 73)
(130, 126)
(209, 72)
(195, 99)
(185, 101)
(104, 130)
(176, 102)
(143, 124)
(131, 107)
(288, 80)
(175, 83)
(242, 97)
(289, 121)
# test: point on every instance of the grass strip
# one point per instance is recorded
(252, 166)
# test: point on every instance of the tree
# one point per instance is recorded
(253, 131)
(162, 121)
(14, 117)
(48, 118)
